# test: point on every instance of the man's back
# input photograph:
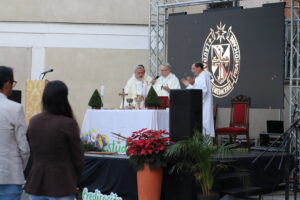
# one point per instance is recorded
(14, 149)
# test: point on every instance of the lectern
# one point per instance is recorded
(33, 97)
(185, 113)
(185, 117)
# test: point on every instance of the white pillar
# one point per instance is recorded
(37, 62)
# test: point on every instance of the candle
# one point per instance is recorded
(102, 90)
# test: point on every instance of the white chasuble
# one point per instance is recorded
(171, 81)
(203, 82)
(136, 87)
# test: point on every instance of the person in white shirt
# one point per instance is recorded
(166, 82)
(203, 82)
(138, 84)
(14, 148)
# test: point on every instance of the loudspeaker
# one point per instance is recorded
(185, 113)
(16, 96)
(179, 186)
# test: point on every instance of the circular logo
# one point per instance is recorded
(221, 57)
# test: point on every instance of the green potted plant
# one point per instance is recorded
(146, 149)
(199, 156)
(152, 100)
(95, 100)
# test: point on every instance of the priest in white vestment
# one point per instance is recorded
(166, 82)
(203, 82)
(138, 84)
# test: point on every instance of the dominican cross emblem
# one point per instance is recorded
(220, 55)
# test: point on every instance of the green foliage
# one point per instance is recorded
(199, 156)
(96, 100)
(87, 146)
(78, 194)
(155, 161)
(152, 99)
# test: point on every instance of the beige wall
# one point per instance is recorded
(91, 11)
(76, 11)
(20, 60)
(84, 70)
(200, 8)
(256, 3)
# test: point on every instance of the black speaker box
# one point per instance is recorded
(185, 113)
(16, 96)
(179, 186)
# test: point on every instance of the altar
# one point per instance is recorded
(105, 125)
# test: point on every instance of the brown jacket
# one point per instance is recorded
(57, 155)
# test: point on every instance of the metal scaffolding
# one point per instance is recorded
(158, 30)
(292, 54)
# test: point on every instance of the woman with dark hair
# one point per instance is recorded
(57, 154)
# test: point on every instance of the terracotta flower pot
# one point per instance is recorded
(149, 183)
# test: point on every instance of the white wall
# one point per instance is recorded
(39, 36)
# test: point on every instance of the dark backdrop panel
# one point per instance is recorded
(260, 34)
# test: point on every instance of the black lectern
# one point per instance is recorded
(185, 113)
(185, 117)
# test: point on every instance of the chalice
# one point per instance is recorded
(129, 101)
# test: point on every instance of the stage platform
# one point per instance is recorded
(114, 173)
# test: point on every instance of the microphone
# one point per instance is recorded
(45, 72)
(154, 80)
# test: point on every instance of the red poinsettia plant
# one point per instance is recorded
(148, 146)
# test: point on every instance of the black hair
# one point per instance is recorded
(55, 99)
(199, 64)
(6, 74)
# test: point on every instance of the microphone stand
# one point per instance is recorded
(43, 76)
(287, 146)
(44, 73)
